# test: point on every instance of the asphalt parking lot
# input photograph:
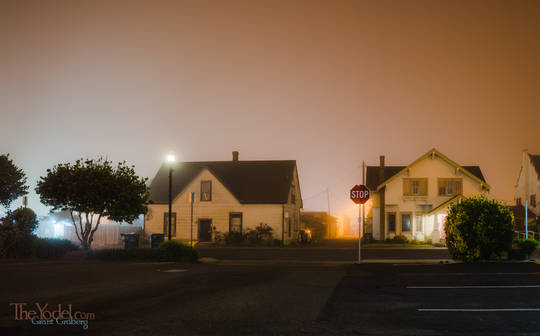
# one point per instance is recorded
(413, 299)
(278, 297)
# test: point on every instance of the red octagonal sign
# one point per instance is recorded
(360, 194)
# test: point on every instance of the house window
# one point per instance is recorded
(166, 224)
(293, 197)
(518, 201)
(405, 222)
(235, 222)
(391, 222)
(449, 187)
(418, 222)
(206, 190)
(533, 201)
(415, 187)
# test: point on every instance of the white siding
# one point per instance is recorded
(218, 209)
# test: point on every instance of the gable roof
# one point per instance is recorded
(447, 202)
(264, 182)
(372, 173)
(535, 160)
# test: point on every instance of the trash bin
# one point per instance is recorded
(156, 239)
(131, 240)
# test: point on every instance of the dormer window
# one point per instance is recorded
(415, 187)
(449, 186)
(206, 191)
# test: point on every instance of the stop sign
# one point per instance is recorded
(360, 194)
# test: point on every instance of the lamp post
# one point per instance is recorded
(170, 160)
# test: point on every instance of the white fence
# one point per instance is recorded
(107, 235)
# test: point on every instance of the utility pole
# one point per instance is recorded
(328, 200)
(192, 199)
(526, 163)
(363, 204)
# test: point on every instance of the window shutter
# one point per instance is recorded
(406, 187)
(422, 187)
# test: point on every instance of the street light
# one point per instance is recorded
(170, 160)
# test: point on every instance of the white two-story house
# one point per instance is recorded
(229, 196)
(527, 187)
(413, 200)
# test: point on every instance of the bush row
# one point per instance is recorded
(167, 251)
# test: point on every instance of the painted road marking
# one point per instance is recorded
(481, 310)
(444, 274)
(472, 287)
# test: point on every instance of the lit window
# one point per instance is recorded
(235, 222)
(415, 186)
(449, 187)
(206, 190)
(391, 222)
(406, 222)
(418, 222)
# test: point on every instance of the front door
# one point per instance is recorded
(205, 230)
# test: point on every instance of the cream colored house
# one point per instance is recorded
(229, 196)
(527, 187)
(413, 200)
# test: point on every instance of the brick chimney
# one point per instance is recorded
(381, 168)
(235, 156)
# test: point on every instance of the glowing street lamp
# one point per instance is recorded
(170, 160)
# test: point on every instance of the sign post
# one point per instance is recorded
(360, 195)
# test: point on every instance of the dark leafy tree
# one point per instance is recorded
(478, 228)
(12, 181)
(16, 236)
(91, 190)
(22, 219)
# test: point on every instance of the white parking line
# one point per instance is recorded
(481, 310)
(471, 274)
(474, 287)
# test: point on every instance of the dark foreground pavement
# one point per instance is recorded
(323, 254)
(262, 297)
(439, 299)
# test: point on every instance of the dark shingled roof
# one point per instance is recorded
(372, 174)
(248, 181)
(535, 159)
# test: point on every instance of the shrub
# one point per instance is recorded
(175, 251)
(478, 228)
(51, 247)
(233, 238)
(527, 246)
(261, 233)
(400, 239)
(167, 251)
(126, 254)
(16, 239)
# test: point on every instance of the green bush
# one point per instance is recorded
(262, 233)
(233, 238)
(176, 251)
(527, 246)
(399, 239)
(478, 228)
(51, 247)
(167, 251)
(126, 254)
(16, 239)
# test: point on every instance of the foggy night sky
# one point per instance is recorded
(327, 83)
